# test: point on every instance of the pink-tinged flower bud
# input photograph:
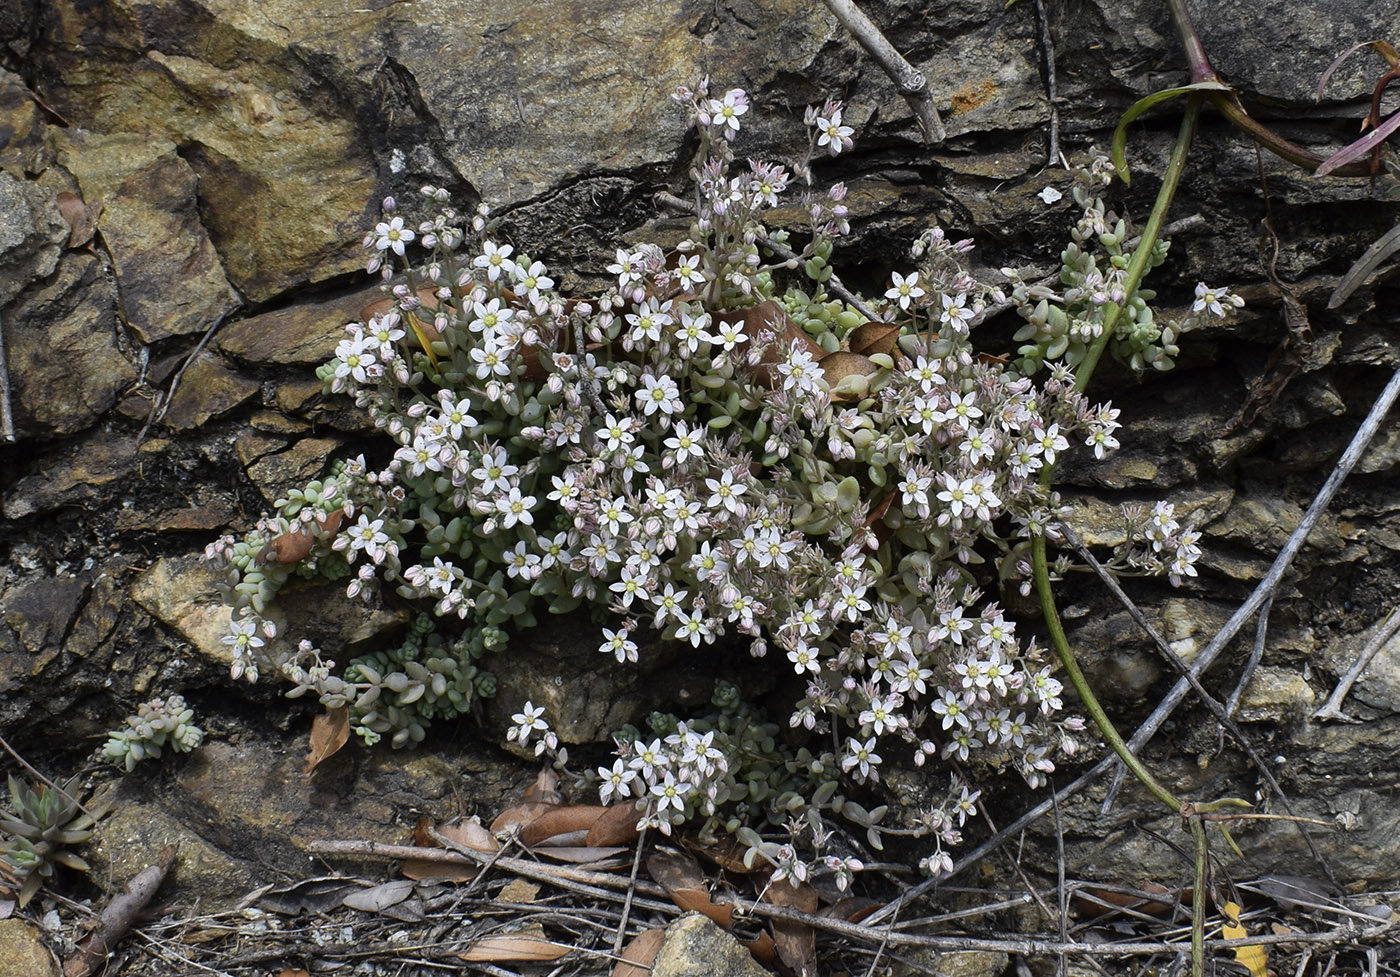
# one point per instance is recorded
(390, 205)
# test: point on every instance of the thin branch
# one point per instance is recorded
(7, 419)
(162, 405)
(908, 80)
(1256, 655)
(1332, 708)
(1047, 45)
(1271, 580)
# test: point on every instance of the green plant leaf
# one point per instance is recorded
(1120, 134)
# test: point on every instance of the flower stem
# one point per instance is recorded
(1137, 266)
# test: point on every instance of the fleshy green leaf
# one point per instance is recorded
(1120, 134)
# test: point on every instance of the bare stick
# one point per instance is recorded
(119, 917)
(162, 405)
(1220, 711)
(1256, 655)
(908, 80)
(1270, 583)
(1047, 44)
(7, 419)
(1332, 708)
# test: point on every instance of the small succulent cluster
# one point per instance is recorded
(155, 725)
(716, 446)
(1061, 325)
(36, 831)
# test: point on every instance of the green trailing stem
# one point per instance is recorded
(1136, 268)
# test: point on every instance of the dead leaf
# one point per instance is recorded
(545, 789)
(380, 897)
(725, 851)
(329, 732)
(1094, 901)
(873, 337)
(319, 895)
(840, 365)
(554, 825)
(81, 218)
(1255, 958)
(673, 870)
(509, 948)
(796, 942)
(617, 825)
(296, 545)
(583, 854)
(852, 909)
(517, 817)
(772, 317)
(468, 834)
(637, 956)
(518, 891)
(294, 973)
(698, 901)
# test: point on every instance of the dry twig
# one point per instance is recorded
(1332, 708)
(7, 419)
(909, 81)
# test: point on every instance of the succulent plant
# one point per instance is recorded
(155, 725)
(724, 442)
(39, 827)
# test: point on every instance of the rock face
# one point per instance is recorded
(228, 155)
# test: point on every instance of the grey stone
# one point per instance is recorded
(696, 947)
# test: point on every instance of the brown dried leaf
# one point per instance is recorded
(81, 218)
(769, 315)
(673, 871)
(851, 909)
(294, 973)
(514, 949)
(725, 851)
(295, 546)
(470, 834)
(617, 825)
(329, 732)
(840, 365)
(638, 955)
(1093, 901)
(698, 901)
(796, 942)
(515, 818)
(419, 869)
(378, 898)
(518, 891)
(873, 337)
(545, 789)
(467, 834)
(576, 819)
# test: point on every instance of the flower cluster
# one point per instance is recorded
(713, 448)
